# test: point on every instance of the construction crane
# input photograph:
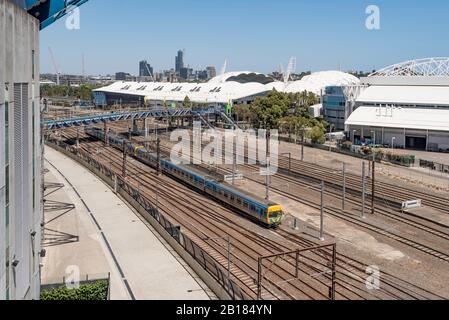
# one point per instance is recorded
(223, 69)
(55, 65)
(83, 67)
(149, 72)
(290, 70)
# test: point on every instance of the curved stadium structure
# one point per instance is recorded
(237, 87)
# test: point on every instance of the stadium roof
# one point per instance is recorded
(319, 80)
(406, 95)
(428, 67)
(408, 118)
(215, 92)
(229, 86)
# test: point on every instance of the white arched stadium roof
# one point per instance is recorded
(219, 90)
(319, 80)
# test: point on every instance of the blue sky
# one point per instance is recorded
(254, 35)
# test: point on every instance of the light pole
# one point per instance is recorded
(392, 143)
(374, 135)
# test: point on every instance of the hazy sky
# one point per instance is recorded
(255, 35)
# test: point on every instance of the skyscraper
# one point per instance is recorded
(179, 62)
(145, 69)
(211, 72)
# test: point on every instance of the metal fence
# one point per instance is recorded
(434, 166)
(213, 267)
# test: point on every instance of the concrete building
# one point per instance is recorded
(20, 154)
(124, 76)
(186, 73)
(20, 143)
(66, 79)
(145, 69)
(404, 106)
(179, 62)
(334, 107)
(211, 72)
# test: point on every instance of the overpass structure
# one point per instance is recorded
(123, 116)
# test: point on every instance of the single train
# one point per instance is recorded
(264, 212)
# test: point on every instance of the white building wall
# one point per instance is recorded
(19, 36)
(385, 136)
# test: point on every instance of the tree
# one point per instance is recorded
(296, 125)
(268, 111)
(242, 112)
(186, 103)
(316, 134)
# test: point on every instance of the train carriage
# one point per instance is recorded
(263, 211)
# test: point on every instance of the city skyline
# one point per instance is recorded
(253, 36)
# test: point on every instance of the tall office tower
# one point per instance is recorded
(211, 72)
(179, 62)
(20, 154)
(145, 69)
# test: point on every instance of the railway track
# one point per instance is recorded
(346, 216)
(425, 248)
(345, 289)
(394, 194)
(202, 227)
(381, 207)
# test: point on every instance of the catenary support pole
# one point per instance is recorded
(344, 187)
(373, 185)
(363, 189)
(322, 212)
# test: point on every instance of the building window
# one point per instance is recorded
(32, 64)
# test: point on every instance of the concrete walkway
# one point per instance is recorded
(102, 234)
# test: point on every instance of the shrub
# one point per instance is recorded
(94, 291)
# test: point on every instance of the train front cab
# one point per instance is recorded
(275, 215)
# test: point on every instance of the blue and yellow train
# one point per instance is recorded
(263, 211)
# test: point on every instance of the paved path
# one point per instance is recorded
(102, 234)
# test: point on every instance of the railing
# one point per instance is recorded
(214, 268)
(434, 166)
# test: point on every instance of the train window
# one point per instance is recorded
(252, 207)
(245, 204)
(232, 197)
(226, 195)
(239, 201)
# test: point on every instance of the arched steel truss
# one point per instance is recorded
(429, 67)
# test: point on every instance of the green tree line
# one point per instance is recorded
(288, 112)
(83, 92)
